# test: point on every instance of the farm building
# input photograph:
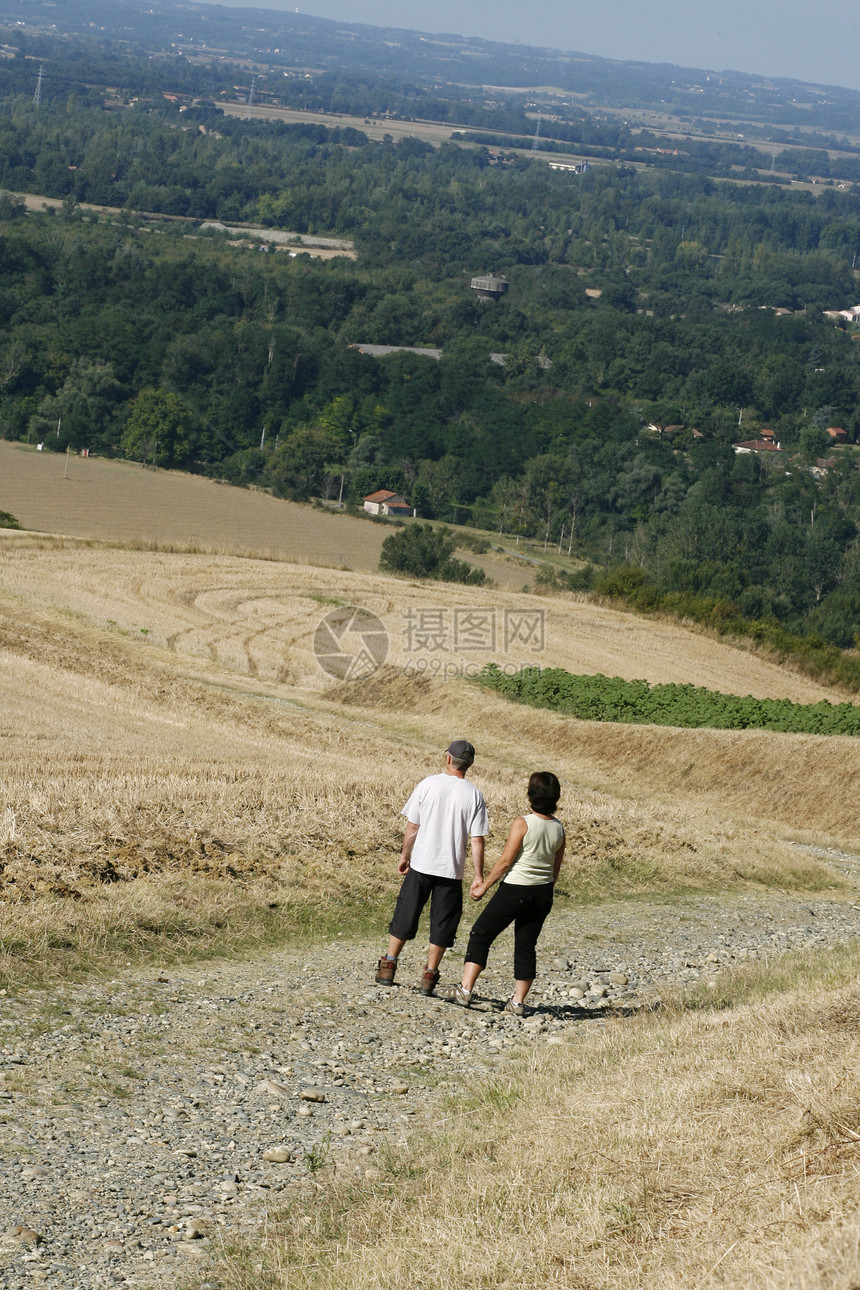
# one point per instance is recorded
(758, 445)
(384, 502)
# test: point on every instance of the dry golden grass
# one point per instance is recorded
(167, 730)
(800, 785)
(679, 1149)
(252, 614)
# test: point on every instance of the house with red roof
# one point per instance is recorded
(384, 502)
(758, 445)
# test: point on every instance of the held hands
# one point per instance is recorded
(478, 889)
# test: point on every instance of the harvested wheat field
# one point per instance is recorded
(258, 618)
(120, 501)
(165, 719)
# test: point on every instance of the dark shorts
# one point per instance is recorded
(446, 907)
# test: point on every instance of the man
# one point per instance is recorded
(442, 814)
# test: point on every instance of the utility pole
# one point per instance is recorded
(37, 97)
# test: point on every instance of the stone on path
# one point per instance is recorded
(278, 1155)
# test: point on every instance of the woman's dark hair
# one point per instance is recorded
(544, 791)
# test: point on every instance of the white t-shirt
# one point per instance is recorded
(448, 811)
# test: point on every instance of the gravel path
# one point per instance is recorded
(146, 1118)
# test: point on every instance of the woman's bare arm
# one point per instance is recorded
(559, 859)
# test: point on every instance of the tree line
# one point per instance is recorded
(643, 334)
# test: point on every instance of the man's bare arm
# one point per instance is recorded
(478, 858)
(409, 837)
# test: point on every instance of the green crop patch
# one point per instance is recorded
(609, 698)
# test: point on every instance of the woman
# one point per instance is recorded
(529, 865)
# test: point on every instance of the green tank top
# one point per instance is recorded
(534, 864)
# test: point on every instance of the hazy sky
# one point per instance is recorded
(814, 40)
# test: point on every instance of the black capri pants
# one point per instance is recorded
(527, 909)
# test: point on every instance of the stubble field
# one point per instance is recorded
(178, 768)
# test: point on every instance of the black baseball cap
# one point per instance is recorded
(462, 750)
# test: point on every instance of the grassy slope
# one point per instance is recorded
(120, 501)
(257, 618)
(96, 498)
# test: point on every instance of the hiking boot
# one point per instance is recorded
(428, 981)
(516, 1009)
(385, 971)
(454, 994)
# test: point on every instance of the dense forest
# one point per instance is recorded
(654, 318)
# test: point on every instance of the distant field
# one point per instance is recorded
(125, 502)
(121, 502)
(432, 132)
(437, 133)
